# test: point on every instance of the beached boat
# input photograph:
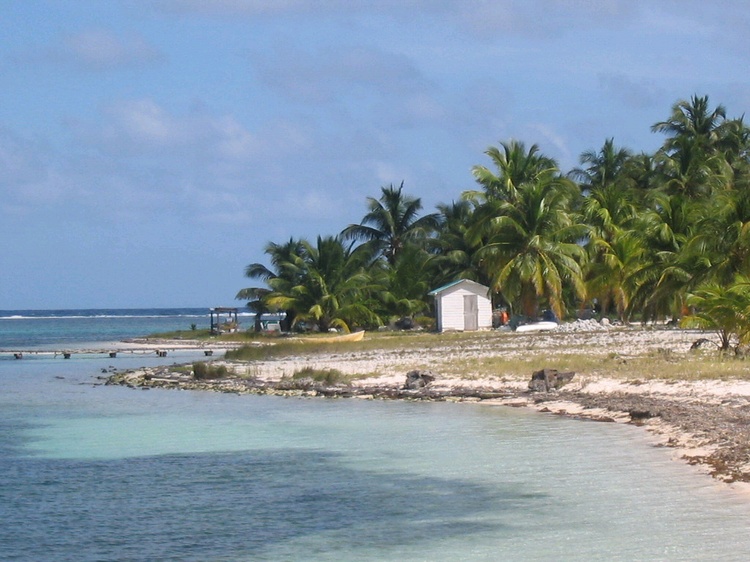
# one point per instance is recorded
(353, 336)
(537, 327)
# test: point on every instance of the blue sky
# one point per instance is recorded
(149, 149)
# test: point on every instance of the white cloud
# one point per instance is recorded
(421, 109)
(549, 137)
(135, 164)
(255, 8)
(27, 176)
(234, 140)
(388, 173)
(21, 160)
(92, 50)
(143, 127)
(101, 49)
(630, 91)
(328, 74)
(145, 122)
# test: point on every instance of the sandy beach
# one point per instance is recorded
(704, 421)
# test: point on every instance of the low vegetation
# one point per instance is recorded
(473, 355)
(654, 366)
(387, 342)
(203, 371)
(325, 376)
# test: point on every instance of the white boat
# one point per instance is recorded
(537, 327)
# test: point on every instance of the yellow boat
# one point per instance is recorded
(353, 336)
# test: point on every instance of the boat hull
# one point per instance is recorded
(537, 327)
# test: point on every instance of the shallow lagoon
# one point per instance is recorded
(97, 472)
(93, 472)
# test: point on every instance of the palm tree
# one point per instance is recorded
(609, 209)
(603, 168)
(609, 203)
(723, 309)
(405, 285)
(734, 144)
(334, 289)
(530, 235)
(610, 278)
(691, 156)
(515, 167)
(692, 119)
(664, 276)
(453, 256)
(689, 169)
(695, 227)
(286, 262)
(392, 222)
(722, 237)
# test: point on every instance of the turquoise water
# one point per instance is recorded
(92, 472)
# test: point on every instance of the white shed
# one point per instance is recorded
(463, 305)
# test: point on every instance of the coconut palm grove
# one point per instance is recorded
(662, 236)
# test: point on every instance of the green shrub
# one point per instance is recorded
(425, 322)
(206, 371)
(200, 370)
(327, 376)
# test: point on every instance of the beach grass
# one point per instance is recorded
(327, 376)
(474, 355)
(687, 368)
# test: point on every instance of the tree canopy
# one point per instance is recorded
(646, 236)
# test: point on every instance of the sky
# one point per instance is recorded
(151, 149)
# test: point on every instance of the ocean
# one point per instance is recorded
(72, 328)
(92, 473)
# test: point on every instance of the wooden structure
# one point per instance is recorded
(223, 320)
(463, 305)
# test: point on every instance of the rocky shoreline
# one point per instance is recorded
(167, 377)
(706, 423)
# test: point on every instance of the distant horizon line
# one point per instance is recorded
(66, 308)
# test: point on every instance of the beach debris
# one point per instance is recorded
(638, 414)
(590, 325)
(405, 323)
(418, 379)
(700, 342)
(547, 380)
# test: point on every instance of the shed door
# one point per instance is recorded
(471, 313)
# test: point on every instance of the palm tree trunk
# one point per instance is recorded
(529, 300)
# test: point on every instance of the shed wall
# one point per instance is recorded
(450, 310)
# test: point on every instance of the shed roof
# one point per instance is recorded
(444, 288)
